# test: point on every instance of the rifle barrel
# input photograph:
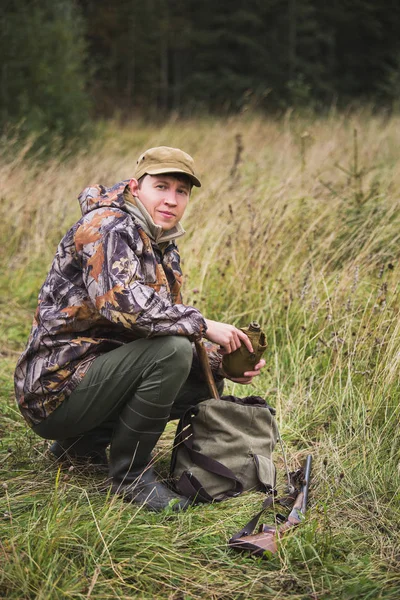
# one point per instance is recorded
(306, 485)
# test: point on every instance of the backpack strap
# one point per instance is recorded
(188, 484)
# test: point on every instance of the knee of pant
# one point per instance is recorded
(179, 348)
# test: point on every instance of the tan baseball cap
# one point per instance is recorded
(163, 159)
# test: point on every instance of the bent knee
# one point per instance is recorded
(179, 349)
(181, 346)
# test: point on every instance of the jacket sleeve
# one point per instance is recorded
(114, 278)
(214, 358)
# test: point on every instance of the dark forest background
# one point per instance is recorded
(65, 63)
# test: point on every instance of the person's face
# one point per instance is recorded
(164, 197)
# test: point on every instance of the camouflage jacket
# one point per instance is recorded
(108, 284)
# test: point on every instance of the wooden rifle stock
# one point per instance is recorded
(266, 540)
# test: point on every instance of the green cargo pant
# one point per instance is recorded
(137, 387)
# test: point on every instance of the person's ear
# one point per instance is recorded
(133, 186)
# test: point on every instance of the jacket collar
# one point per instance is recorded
(139, 213)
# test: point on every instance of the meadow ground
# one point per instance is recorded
(296, 226)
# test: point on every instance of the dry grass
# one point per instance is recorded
(297, 226)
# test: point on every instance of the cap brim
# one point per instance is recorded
(165, 170)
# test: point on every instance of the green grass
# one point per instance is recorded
(289, 239)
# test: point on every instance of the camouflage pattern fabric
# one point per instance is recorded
(108, 284)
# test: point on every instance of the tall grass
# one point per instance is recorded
(296, 226)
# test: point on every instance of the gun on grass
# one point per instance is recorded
(266, 540)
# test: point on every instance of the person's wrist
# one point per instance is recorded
(208, 323)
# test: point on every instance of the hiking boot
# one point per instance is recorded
(144, 489)
(132, 475)
(82, 452)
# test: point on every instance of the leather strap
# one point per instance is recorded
(189, 482)
(248, 529)
(190, 486)
(205, 364)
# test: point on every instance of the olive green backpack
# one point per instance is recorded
(224, 447)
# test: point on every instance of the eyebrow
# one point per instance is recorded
(161, 179)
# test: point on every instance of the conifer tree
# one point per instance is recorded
(43, 75)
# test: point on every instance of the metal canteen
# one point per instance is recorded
(241, 360)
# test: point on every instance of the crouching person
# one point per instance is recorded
(110, 356)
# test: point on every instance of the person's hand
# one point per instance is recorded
(228, 337)
(248, 375)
